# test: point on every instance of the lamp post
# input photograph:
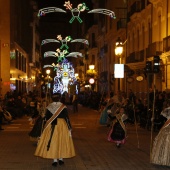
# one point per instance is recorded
(47, 72)
(118, 52)
(91, 80)
(91, 67)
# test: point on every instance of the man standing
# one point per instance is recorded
(75, 102)
(56, 141)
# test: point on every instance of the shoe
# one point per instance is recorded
(54, 164)
(1, 129)
(61, 162)
(118, 145)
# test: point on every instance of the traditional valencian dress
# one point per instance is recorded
(161, 146)
(56, 140)
(104, 115)
(118, 133)
(36, 131)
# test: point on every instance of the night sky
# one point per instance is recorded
(53, 24)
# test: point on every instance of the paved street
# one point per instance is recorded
(93, 151)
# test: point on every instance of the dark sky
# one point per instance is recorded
(56, 23)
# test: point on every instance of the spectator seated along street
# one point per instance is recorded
(11, 107)
(19, 106)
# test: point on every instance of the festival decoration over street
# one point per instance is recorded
(75, 11)
(64, 78)
(62, 54)
(64, 41)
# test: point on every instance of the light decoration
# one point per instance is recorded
(75, 11)
(64, 41)
(64, 76)
(62, 54)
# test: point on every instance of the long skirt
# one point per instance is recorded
(61, 143)
(116, 134)
(35, 133)
(103, 117)
(161, 148)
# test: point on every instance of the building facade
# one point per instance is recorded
(143, 27)
(17, 49)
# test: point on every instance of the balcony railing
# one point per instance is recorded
(121, 23)
(166, 44)
(154, 49)
(137, 6)
(136, 57)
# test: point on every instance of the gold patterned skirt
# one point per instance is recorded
(161, 148)
(61, 142)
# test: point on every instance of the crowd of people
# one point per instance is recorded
(117, 111)
(137, 109)
(52, 124)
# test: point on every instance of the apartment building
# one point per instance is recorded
(143, 27)
(17, 51)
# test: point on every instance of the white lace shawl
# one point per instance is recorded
(166, 113)
(53, 107)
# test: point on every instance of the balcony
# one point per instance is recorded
(121, 23)
(166, 44)
(136, 57)
(154, 49)
(137, 6)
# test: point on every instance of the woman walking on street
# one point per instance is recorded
(160, 152)
(118, 132)
(56, 141)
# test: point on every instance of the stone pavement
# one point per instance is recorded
(93, 151)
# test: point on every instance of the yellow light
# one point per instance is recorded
(118, 50)
(48, 71)
(119, 47)
(91, 67)
(76, 74)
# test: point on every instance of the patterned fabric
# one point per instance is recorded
(117, 133)
(53, 107)
(166, 113)
(161, 147)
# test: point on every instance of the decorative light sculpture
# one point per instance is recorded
(75, 11)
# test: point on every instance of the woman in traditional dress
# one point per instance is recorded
(56, 141)
(106, 105)
(161, 147)
(38, 122)
(118, 132)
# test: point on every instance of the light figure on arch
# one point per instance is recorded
(75, 11)
(64, 77)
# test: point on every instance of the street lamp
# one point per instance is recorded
(76, 74)
(47, 72)
(91, 67)
(119, 48)
(118, 52)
